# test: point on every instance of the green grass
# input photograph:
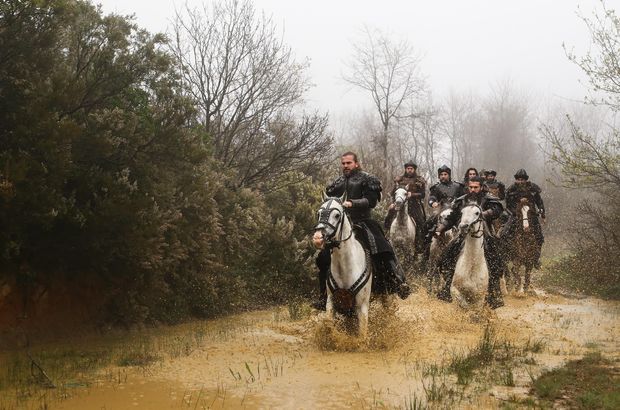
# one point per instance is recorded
(589, 383)
(582, 274)
(43, 375)
(484, 354)
(494, 359)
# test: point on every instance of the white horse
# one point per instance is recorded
(471, 275)
(403, 228)
(350, 278)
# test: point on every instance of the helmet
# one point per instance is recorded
(522, 174)
(444, 168)
(490, 172)
(411, 164)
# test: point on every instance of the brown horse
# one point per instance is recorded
(524, 248)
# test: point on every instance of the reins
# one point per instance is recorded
(479, 233)
(324, 213)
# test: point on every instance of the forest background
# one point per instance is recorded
(150, 178)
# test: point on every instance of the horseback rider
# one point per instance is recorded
(361, 193)
(524, 191)
(415, 186)
(441, 193)
(493, 185)
(445, 190)
(491, 209)
(470, 173)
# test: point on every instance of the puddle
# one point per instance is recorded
(263, 360)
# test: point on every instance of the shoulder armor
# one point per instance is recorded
(536, 188)
(338, 181)
(372, 182)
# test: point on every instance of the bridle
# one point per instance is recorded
(398, 204)
(480, 231)
(325, 212)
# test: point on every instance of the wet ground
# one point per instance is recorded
(266, 360)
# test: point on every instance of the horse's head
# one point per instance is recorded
(331, 216)
(525, 211)
(445, 212)
(471, 215)
(400, 197)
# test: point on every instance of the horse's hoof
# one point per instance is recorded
(445, 296)
(404, 290)
(495, 302)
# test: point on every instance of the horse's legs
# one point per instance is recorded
(329, 306)
(362, 320)
(458, 297)
(503, 286)
(430, 274)
(528, 271)
(518, 280)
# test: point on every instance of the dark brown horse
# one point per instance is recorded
(524, 249)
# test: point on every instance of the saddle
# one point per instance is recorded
(366, 238)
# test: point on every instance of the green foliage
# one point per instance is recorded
(107, 180)
(589, 383)
(586, 271)
(590, 162)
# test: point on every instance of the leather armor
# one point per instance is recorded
(444, 192)
(528, 190)
(361, 188)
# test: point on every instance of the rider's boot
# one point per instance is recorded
(397, 276)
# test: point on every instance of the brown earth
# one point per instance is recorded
(266, 360)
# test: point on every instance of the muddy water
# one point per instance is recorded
(265, 360)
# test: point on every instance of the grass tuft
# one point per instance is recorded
(589, 383)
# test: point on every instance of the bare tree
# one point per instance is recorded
(590, 159)
(245, 82)
(416, 135)
(429, 123)
(507, 131)
(602, 62)
(390, 71)
(461, 123)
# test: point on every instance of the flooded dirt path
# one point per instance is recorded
(266, 360)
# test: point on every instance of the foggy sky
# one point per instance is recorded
(467, 45)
